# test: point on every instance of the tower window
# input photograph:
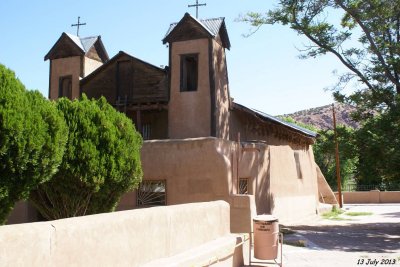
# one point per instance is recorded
(189, 72)
(65, 87)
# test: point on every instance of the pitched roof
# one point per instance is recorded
(115, 58)
(267, 117)
(214, 27)
(83, 44)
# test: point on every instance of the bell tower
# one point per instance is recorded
(199, 93)
(71, 59)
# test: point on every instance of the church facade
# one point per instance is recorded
(199, 145)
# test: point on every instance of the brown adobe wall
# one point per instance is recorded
(64, 67)
(189, 113)
(204, 169)
(293, 198)
(197, 169)
(325, 192)
(222, 112)
(373, 196)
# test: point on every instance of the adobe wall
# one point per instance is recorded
(205, 169)
(189, 113)
(373, 196)
(222, 100)
(325, 192)
(197, 169)
(64, 67)
(129, 238)
(91, 65)
(292, 198)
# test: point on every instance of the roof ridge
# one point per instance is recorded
(214, 18)
(94, 36)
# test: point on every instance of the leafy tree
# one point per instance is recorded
(324, 151)
(364, 35)
(378, 143)
(32, 141)
(100, 164)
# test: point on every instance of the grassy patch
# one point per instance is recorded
(360, 213)
(336, 213)
(333, 214)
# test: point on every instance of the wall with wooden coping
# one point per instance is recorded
(373, 196)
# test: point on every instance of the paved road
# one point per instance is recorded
(372, 240)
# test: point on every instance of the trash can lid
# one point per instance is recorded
(265, 218)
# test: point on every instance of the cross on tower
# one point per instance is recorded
(197, 7)
(78, 25)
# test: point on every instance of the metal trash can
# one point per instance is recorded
(266, 237)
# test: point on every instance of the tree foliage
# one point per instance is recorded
(101, 161)
(325, 149)
(378, 146)
(364, 35)
(32, 140)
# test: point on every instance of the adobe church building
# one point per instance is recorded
(199, 145)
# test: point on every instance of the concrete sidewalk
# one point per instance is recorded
(372, 240)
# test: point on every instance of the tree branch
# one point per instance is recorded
(338, 55)
(374, 48)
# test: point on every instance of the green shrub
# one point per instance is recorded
(32, 141)
(100, 164)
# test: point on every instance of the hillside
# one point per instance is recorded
(321, 117)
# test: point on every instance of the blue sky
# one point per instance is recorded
(264, 70)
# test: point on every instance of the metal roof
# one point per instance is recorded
(83, 43)
(214, 27)
(211, 25)
(265, 116)
(88, 42)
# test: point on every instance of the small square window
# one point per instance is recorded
(152, 193)
(189, 72)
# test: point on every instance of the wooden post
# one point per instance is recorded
(139, 120)
(337, 159)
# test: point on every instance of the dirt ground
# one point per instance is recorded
(369, 240)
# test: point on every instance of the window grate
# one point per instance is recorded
(243, 186)
(152, 193)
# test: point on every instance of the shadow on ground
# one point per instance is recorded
(368, 237)
(392, 215)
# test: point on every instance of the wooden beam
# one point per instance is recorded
(157, 106)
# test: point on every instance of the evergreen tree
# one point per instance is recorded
(100, 164)
(32, 141)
